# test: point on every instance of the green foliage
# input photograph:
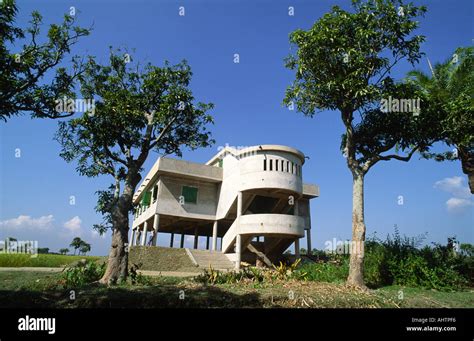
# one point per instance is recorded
(78, 243)
(344, 62)
(252, 275)
(286, 271)
(399, 260)
(448, 96)
(83, 273)
(85, 247)
(137, 278)
(339, 62)
(138, 109)
(327, 271)
(22, 70)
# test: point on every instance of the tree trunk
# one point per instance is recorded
(117, 266)
(467, 161)
(118, 256)
(356, 266)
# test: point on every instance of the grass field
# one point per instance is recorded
(41, 260)
(38, 289)
(161, 259)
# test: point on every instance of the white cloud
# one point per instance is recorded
(458, 204)
(27, 222)
(461, 195)
(454, 186)
(73, 225)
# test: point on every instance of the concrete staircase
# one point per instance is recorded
(204, 259)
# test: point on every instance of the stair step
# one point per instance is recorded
(214, 259)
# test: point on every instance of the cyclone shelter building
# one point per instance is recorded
(241, 201)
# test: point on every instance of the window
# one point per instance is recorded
(288, 166)
(271, 164)
(221, 163)
(282, 165)
(292, 168)
(190, 194)
(265, 164)
(146, 199)
(276, 165)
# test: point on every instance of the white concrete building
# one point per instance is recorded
(253, 196)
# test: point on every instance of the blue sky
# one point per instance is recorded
(36, 188)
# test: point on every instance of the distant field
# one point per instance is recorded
(41, 260)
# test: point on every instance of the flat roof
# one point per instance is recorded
(262, 147)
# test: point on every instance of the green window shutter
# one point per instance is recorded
(146, 198)
(189, 194)
(221, 162)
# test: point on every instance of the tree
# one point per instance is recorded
(449, 93)
(84, 248)
(22, 71)
(64, 251)
(344, 63)
(76, 244)
(139, 109)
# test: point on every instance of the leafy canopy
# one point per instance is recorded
(449, 91)
(25, 60)
(344, 63)
(138, 109)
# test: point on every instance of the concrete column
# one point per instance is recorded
(239, 204)
(145, 231)
(238, 251)
(181, 244)
(196, 237)
(156, 224)
(308, 239)
(139, 235)
(172, 239)
(214, 236)
(297, 248)
(207, 243)
(132, 237)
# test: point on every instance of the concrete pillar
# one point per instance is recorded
(138, 237)
(196, 237)
(214, 236)
(238, 251)
(297, 248)
(156, 224)
(181, 244)
(239, 204)
(132, 237)
(144, 233)
(207, 243)
(172, 239)
(308, 239)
